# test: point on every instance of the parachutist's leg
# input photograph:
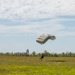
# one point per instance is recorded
(40, 58)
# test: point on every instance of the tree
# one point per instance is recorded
(46, 53)
(33, 53)
(27, 52)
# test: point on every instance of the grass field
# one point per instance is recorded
(21, 65)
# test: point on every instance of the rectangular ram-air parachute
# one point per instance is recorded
(44, 37)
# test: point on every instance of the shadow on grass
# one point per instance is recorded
(57, 60)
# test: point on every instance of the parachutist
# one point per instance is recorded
(42, 56)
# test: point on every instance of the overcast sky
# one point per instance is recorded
(22, 21)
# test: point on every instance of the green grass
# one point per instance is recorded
(21, 65)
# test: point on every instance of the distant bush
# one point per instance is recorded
(47, 54)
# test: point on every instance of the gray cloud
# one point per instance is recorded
(22, 9)
(49, 26)
(37, 16)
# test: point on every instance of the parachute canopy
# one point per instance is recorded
(44, 37)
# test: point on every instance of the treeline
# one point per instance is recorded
(48, 54)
